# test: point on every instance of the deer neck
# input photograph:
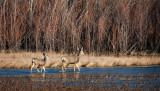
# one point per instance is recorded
(45, 58)
(79, 55)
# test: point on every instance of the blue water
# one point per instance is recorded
(127, 71)
(146, 77)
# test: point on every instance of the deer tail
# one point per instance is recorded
(33, 62)
(63, 59)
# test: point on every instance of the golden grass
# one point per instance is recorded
(23, 60)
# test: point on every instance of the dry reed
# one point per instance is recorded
(23, 60)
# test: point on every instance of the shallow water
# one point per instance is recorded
(129, 77)
(125, 71)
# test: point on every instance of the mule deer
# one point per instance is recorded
(74, 59)
(39, 62)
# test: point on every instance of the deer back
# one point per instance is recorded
(37, 61)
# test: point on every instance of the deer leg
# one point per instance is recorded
(62, 68)
(78, 67)
(41, 69)
(65, 69)
(37, 69)
(74, 67)
(32, 67)
(44, 69)
(65, 66)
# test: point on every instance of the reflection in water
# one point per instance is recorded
(146, 77)
(76, 75)
(37, 76)
(64, 76)
(67, 76)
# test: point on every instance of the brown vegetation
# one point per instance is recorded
(79, 82)
(99, 26)
(23, 60)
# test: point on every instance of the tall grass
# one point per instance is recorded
(23, 60)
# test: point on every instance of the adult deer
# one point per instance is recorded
(71, 59)
(39, 62)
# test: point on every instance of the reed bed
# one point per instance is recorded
(23, 60)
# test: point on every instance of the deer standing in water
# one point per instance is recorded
(39, 62)
(71, 59)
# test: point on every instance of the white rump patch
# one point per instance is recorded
(63, 59)
(33, 60)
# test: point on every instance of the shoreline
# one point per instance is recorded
(23, 60)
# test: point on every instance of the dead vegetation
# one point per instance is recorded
(23, 60)
(84, 82)
(63, 25)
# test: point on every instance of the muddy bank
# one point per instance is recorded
(70, 82)
(23, 60)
